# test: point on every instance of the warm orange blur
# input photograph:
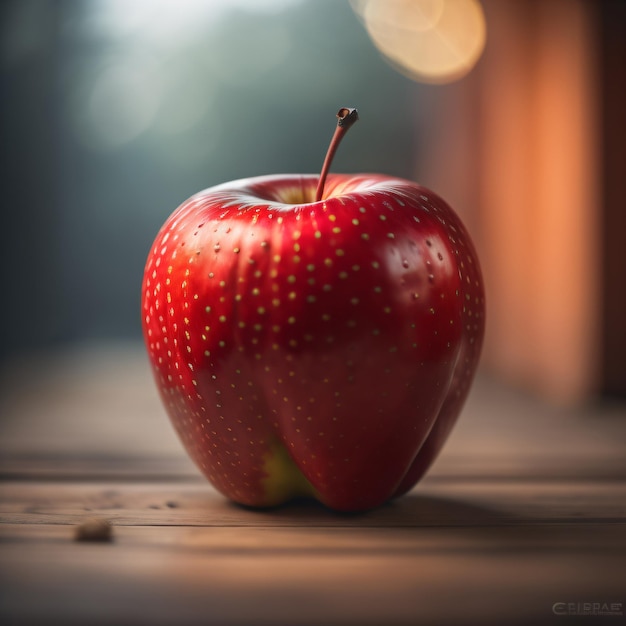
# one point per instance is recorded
(543, 204)
(431, 41)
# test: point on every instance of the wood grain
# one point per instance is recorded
(294, 575)
(431, 504)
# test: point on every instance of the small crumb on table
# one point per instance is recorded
(94, 529)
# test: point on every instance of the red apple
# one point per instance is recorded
(314, 347)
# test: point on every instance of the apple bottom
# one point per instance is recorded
(285, 430)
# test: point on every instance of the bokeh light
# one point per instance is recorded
(431, 41)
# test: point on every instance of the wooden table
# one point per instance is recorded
(522, 519)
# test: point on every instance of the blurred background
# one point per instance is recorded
(113, 112)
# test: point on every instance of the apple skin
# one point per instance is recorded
(306, 348)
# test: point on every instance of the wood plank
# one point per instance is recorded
(431, 504)
(304, 576)
(302, 541)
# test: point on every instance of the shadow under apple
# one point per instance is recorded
(410, 511)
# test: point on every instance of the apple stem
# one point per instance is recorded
(345, 118)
